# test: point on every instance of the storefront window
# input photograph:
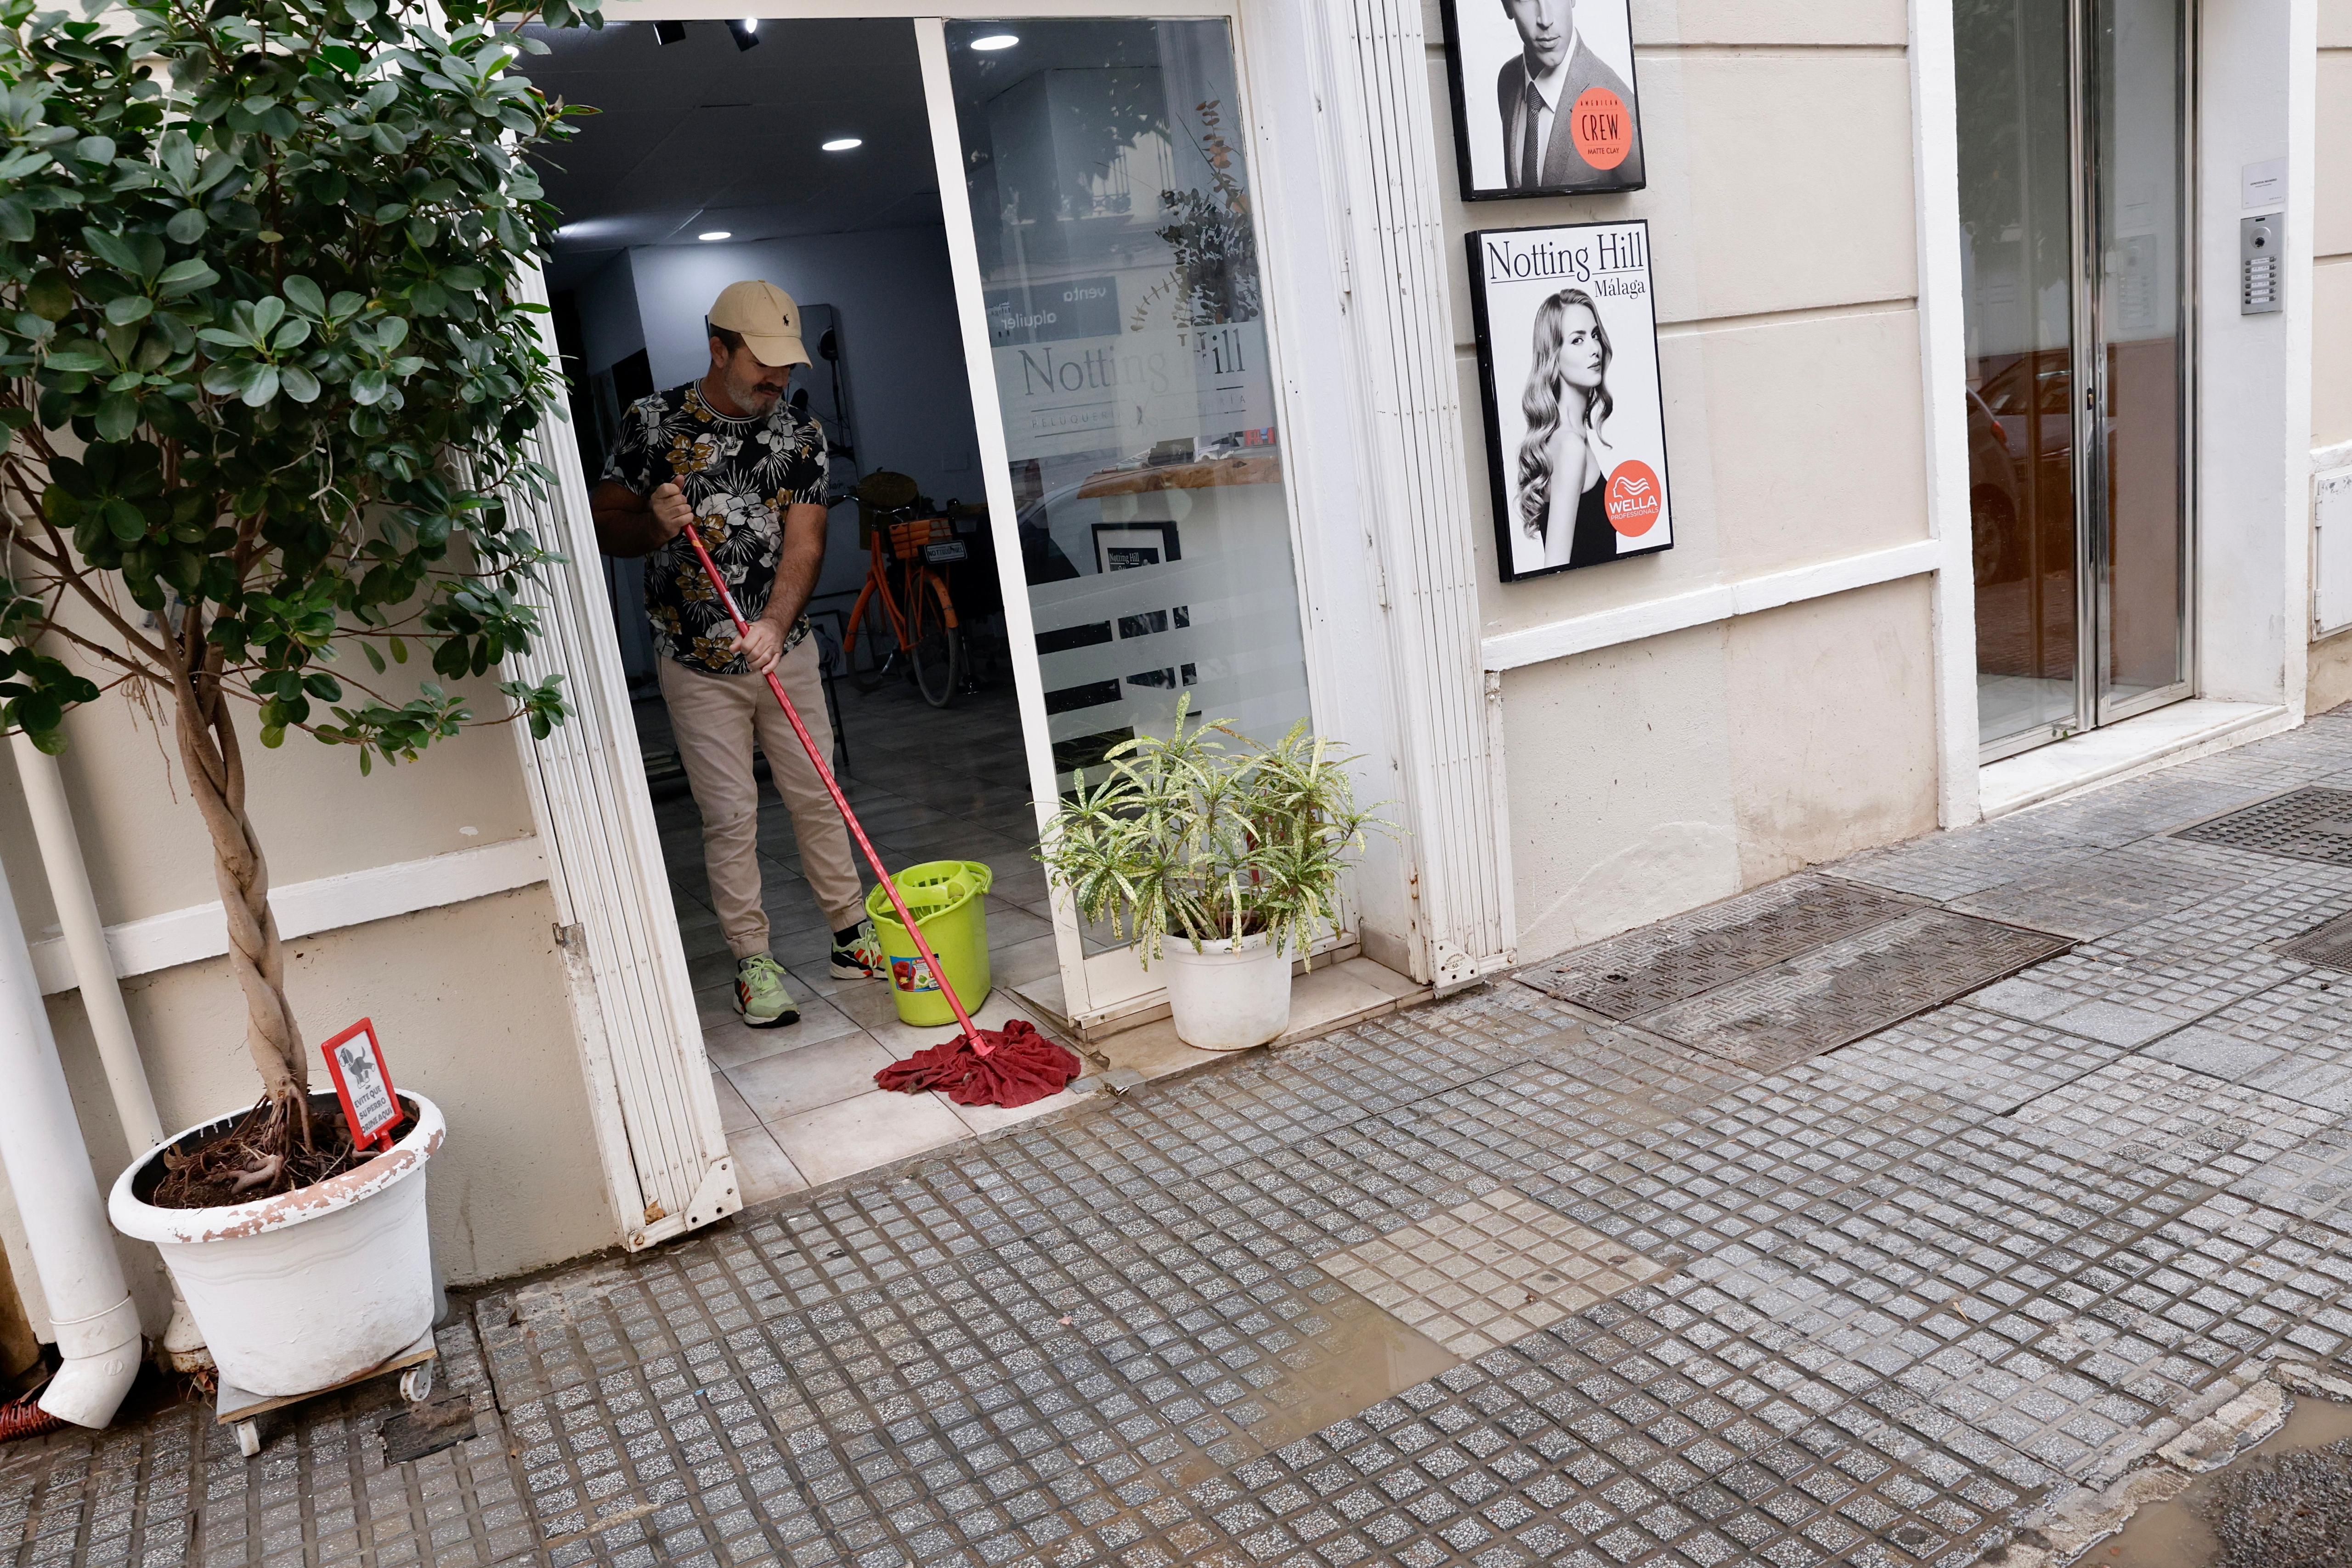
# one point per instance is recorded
(1111, 207)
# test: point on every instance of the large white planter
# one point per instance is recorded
(302, 1291)
(1230, 995)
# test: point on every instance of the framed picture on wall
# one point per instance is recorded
(1544, 100)
(1568, 370)
(1122, 546)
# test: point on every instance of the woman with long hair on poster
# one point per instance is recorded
(1563, 474)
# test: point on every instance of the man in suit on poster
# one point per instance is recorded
(1537, 91)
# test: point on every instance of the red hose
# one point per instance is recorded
(25, 1420)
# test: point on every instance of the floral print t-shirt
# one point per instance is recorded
(739, 476)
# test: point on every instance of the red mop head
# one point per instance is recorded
(1019, 1066)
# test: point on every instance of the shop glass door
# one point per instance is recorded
(2073, 153)
(1110, 278)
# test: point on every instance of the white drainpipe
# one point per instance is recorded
(57, 1200)
(102, 994)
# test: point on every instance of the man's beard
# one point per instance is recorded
(758, 397)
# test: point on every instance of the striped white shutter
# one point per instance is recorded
(664, 1156)
(1418, 487)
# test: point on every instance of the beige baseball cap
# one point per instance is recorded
(766, 316)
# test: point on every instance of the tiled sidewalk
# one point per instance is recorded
(1506, 1280)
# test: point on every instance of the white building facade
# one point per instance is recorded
(1818, 666)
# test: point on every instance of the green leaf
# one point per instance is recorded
(117, 416)
(260, 385)
(375, 660)
(187, 227)
(16, 220)
(305, 295)
(77, 360)
(185, 277)
(300, 385)
(50, 294)
(129, 308)
(268, 311)
(399, 650)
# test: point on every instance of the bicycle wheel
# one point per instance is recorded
(935, 657)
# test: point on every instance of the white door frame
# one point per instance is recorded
(650, 1098)
(1113, 984)
(1343, 142)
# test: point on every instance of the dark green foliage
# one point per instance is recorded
(264, 262)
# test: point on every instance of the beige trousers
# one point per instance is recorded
(714, 718)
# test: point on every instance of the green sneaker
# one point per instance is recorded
(760, 994)
(861, 957)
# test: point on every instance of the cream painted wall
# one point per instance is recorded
(523, 1187)
(1655, 776)
(146, 845)
(468, 1002)
(1778, 346)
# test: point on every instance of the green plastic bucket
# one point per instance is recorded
(948, 898)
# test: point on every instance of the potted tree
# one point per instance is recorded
(267, 375)
(1218, 854)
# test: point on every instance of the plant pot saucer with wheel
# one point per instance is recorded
(1228, 996)
(309, 1289)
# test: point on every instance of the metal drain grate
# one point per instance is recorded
(1852, 988)
(1654, 967)
(2310, 823)
(2329, 946)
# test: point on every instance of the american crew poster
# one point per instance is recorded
(1568, 362)
(1544, 100)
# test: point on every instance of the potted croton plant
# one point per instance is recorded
(267, 375)
(1218, 856)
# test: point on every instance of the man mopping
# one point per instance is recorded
(729, 454)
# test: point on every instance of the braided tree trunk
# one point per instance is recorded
(215, 765)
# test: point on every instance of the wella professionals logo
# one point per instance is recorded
(1634, 498)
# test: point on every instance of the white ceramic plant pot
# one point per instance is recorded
(302, 1291)
(1230, 995)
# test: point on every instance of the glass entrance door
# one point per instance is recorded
(1110, 283)
(2073, 152)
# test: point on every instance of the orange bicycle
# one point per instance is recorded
(913, 599)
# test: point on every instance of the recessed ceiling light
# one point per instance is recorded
(716, 234)
(666, 33)
(994, 41)
(844, 143)
(746, 32)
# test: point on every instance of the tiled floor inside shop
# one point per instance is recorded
(799, 1102)
(1875, 1217)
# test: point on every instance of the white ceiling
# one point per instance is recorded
(700, 135)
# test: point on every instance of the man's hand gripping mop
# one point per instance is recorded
(1012, 1066)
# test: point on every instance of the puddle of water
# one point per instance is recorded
(2175, 1534)
(1369, 1356)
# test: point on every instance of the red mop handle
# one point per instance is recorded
(693, 533)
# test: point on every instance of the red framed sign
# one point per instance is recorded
(364, 1083)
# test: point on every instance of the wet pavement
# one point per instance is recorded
(1877, 1218)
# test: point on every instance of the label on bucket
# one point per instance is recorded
(912, 974)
